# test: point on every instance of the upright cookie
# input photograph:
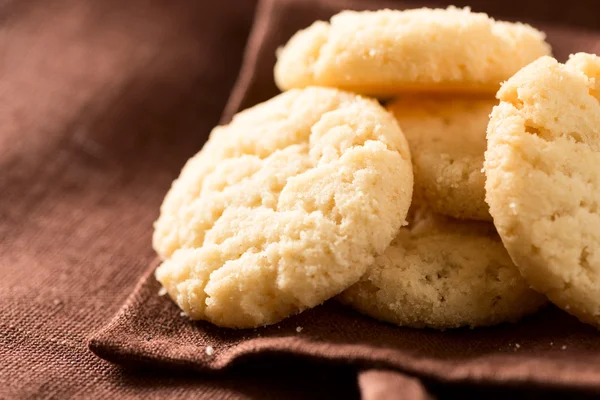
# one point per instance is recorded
(543, 179)
(385, 52)
(446, 135)
(443, 273)
(283, 208)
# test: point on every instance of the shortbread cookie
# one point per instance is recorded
(383, 53)
(446, 135)
(283, 208)
(543, 179)
(444, 273)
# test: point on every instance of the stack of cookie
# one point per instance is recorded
(322, 192)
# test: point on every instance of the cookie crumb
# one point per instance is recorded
(209, 350)
(299, 329)
(517, 345)
(564, 348)
(162, 291)
(183, 314)
(551, 343)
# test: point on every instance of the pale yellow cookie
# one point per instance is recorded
(283, 208)
(446, 135)
(386, 52)
(543, 179)
(444, 273)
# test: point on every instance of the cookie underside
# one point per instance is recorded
(444, 273)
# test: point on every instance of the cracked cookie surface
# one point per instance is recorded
(543, 179)
(386, 52)
(283, 208)
(443, 273)
(446, 135)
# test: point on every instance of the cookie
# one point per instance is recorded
(386, 52)
(446, 135)
(283, 208)
(443, 273)
(543, 179)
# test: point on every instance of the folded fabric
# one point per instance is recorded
(93, 94)
(549, 349)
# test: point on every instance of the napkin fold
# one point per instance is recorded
(550, 349)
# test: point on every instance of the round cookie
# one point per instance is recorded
(386, 52)
(446, 136)
(543, 179)
(283, 208)
(443, 273)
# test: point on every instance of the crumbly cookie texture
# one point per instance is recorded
(443, 273)
(386, 52)
(446, 135)
(543, 179)
(283, 208)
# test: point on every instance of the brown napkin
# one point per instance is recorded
(549, 349)
(554, 349)
(101, 102)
